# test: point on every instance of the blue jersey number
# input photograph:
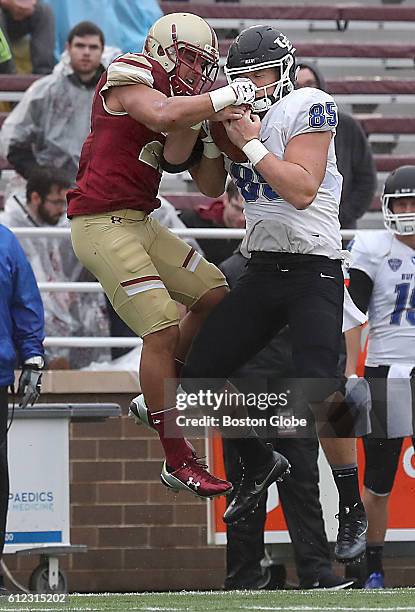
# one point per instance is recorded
(401, 304)
(321, 114)
(251, 184)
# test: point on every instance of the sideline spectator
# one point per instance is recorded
(22, 334)
(53, 260)
(354, 156)
(272, 370)
(5, 53)
(226, 212)
(18, 18)
(124, 22)
(50, 123)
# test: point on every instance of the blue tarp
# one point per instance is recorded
(125, 23)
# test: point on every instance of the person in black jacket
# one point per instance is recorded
(354, 156)
(299, 493)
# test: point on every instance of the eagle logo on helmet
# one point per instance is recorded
(187, 48)
(259, 47)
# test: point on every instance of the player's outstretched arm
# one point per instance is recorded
(162, 114)
(299, 175)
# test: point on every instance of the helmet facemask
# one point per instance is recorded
(192, 70)
(402, 224)
(195, 69)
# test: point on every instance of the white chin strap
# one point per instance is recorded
(263, 104)
(402, 224)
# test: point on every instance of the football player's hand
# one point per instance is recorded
(242, 131)
(230, 113)
(240, 91)
(244, 90)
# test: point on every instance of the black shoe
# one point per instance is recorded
(329, 582)
(351, 539)
(253, 485)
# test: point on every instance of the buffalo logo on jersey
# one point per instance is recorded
(399, 184)
(187, 48)
(257, 48)
(394, 263)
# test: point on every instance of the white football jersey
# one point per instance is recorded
(272, 223)
(391, 266)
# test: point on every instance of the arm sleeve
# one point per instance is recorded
(27, 308)
(360, 288)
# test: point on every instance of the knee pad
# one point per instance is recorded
(382, 456)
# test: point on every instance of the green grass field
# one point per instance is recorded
(291, 601)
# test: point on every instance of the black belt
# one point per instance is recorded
(286, 258)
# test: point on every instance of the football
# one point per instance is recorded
(221, 140)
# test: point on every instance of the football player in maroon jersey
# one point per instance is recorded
(142, 267)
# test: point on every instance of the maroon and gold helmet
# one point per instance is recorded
(187, 48)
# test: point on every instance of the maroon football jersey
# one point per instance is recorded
(119, 165)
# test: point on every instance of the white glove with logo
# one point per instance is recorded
(240, 91)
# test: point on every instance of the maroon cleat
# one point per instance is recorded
(193, 477)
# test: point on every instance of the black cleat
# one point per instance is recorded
(253, 485)
(351, 539)
(328, 582)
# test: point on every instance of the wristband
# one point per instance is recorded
(353, 376)
(210, 150)
(196, 127)
(223, 97)
(255, 151)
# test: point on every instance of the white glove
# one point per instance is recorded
(240, 91)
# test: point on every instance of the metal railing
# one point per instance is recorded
(93, 287)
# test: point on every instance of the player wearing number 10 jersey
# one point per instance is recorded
(292, 188)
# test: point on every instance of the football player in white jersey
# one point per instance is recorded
(291, 187)
(382, 281)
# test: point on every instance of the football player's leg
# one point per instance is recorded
(240, 326)
(190, 280)
(315, 320)
(114, 249)
(382, 457)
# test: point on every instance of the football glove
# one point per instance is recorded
(240, 91)
(30, 382)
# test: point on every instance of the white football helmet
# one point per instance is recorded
(399, 184)
(187, 48)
